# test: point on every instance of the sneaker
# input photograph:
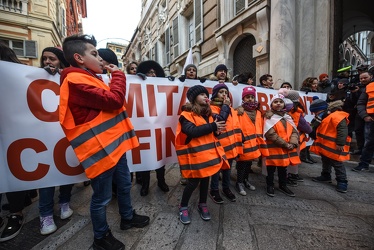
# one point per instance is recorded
(249, 185)
(295, 177)
(216, 197)
(356, 152)
(203, 211)
(359, 169)
(291, 183)
(270, 191)
(107, 242)
(183, 215)
(240, 188)
(229, 195)
(47, 225)
(287, 191)
(12, 227)
(137, 220)
(65, 210)
(322, 178)
(183, 181)
(341, 187)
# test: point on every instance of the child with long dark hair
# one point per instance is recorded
(199, 152)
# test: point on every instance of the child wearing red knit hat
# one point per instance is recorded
(251, 122)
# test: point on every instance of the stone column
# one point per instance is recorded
(282, 41)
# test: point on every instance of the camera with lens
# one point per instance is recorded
(354, 85)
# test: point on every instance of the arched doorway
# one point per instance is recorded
(243, 56)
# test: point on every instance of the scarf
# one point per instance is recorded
(216, 102)
(250, 106)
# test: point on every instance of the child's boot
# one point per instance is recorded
(342, 186)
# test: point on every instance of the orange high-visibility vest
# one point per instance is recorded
(281, 157)
(252, 147)
(231, 138)
(296, 118)
(99, 143)
(370, 103)
(202, 156)
(325, 144)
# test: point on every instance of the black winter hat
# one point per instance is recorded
(317, 105)
(145, 66)
(220, 67)
(58, 52)
(194, 91)
(108, 55)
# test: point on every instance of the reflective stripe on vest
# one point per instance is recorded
(325, 144)
(251, 149)
(101, 142)
(231, 139)
(278, 156)
(370, 103)
(202, 156)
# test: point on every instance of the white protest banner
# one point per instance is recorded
(34, 152)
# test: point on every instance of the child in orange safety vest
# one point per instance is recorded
(230, 139)
(282, 141)
(200, 154)
(296, 110)
(251, 122)
(331, 140)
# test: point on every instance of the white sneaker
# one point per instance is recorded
(240, 188)
(65, 210)
(47, 225)
(249, 185)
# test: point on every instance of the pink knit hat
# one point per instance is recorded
(249, 91)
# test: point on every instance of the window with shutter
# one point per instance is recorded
(156, 52)
(21, 47)
(190, 32)
(63, 22)
(176, 37)
(198, 21)
(30, 49)
(167, 46)
(239, 6)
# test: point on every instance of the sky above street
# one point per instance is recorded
(111, 19)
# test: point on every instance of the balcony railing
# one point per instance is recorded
(16, 6)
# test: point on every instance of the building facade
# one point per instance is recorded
(288, 39)
(119, 49)
(28, 26)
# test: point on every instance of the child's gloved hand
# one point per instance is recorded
(202, 79)
(182, 78)
(141, 75)
(51, 70)
(171, 78)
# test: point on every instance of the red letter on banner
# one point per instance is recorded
(34, 99)
(168, 90)
(14, 159)
(142, 146)
(135, 90)
(59, 156)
